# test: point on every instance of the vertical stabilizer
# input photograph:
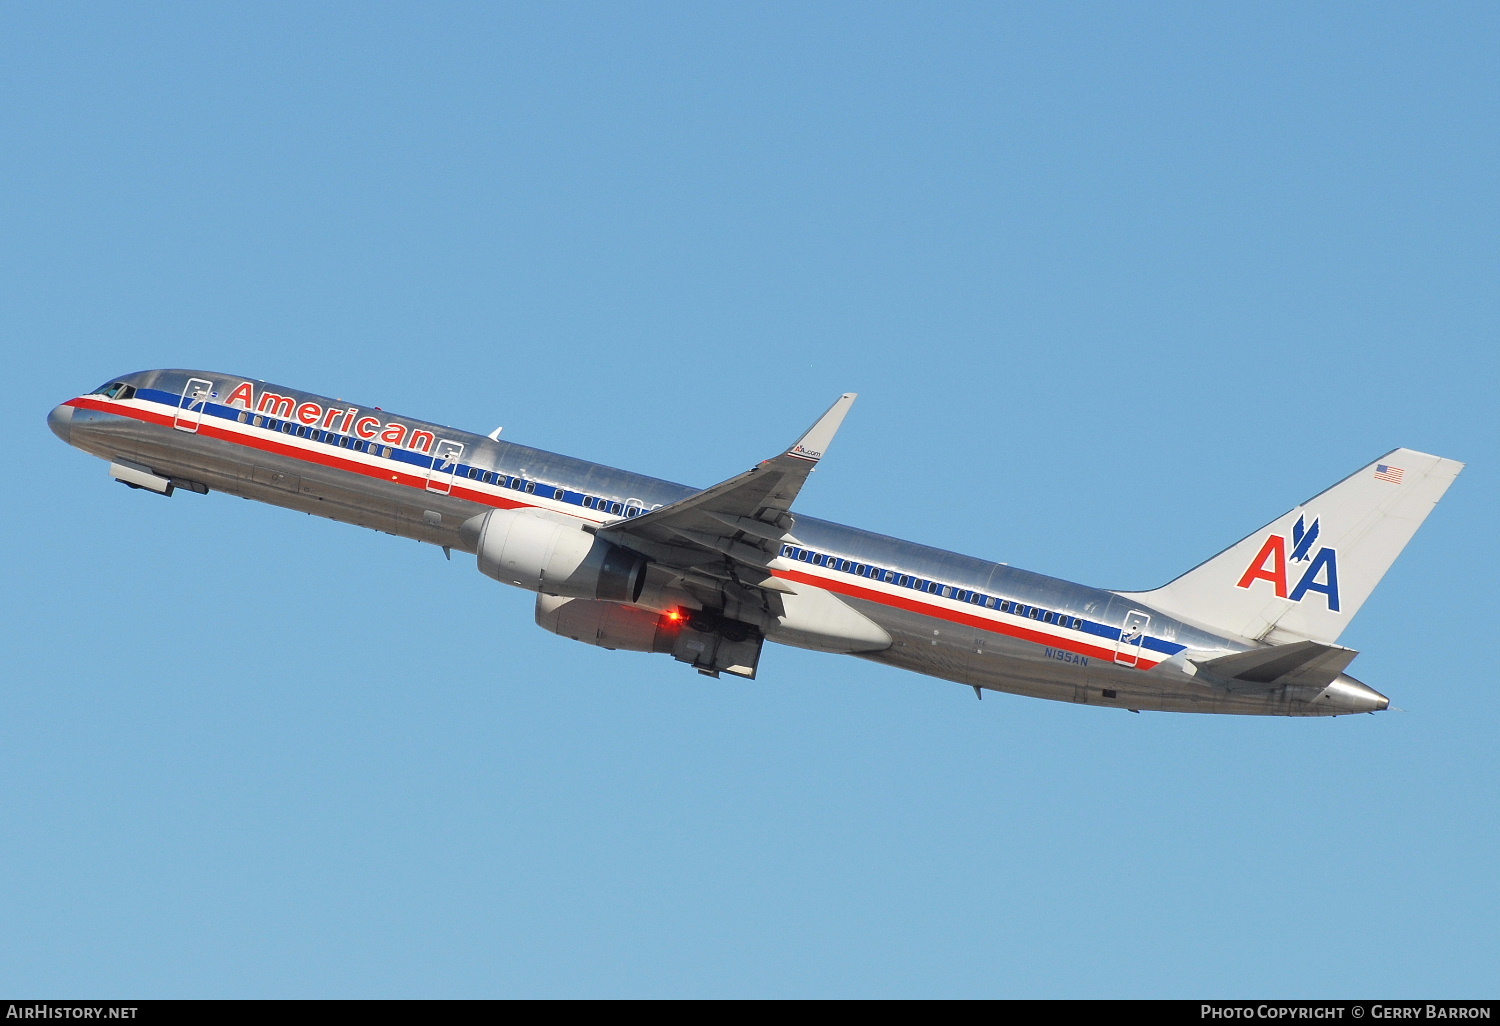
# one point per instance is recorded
(1304, 575)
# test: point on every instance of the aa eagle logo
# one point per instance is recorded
(1321, 573)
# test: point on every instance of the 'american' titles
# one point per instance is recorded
(345, 421)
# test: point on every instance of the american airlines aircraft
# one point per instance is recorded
(625, 561)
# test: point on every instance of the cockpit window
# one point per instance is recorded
(115, 390)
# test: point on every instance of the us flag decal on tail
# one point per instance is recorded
(1386, 472)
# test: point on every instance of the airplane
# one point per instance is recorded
(626, 561)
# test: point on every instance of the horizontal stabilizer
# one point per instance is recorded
(1305, 663)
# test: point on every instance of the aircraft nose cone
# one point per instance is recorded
(60, 420)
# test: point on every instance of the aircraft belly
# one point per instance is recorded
(291, 484)
(997, 662)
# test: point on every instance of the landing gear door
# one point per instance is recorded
(1128, 648)
(445, 456)
(195, 395)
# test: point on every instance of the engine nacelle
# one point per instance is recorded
(553, 557)
(607, 624)
(702, 638)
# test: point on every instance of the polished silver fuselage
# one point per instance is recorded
(930, 632)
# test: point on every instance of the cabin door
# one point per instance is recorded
(445, 456)
(195, 395)
(1128, 648)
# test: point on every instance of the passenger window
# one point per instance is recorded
(1077, 624)
(243, 418)
(386, 452)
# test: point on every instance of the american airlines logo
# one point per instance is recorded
(1321, 573)
(346, 420)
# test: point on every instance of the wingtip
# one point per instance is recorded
(815, 440)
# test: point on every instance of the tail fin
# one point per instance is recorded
(1303, 576)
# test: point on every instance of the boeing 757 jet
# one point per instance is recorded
(625, 561)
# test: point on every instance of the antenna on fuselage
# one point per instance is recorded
(494, 435)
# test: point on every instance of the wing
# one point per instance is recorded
(731, 531)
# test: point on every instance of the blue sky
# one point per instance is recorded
(1118, 284)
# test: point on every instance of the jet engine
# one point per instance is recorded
(552, 557)
(702, 638)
